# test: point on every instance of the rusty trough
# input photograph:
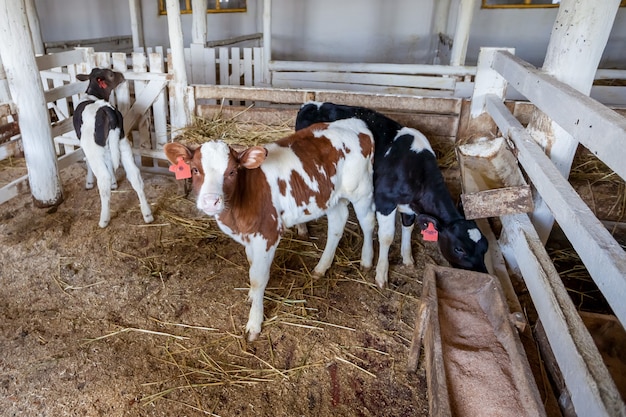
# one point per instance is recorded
(475, 363)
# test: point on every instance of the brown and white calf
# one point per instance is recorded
(100, 128)
(257, 193)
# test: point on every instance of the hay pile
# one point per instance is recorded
(232, 131)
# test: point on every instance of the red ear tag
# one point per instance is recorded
(430, 234)
(181, 169)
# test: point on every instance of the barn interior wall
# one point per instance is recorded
(327, 30)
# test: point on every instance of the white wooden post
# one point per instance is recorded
(18, 57)
(579, 36)
(136, 24)
(35, 29)
(462, 32)
(267, 41)
(198, 24)
(5, 94)
(179, 108)
(440, 27)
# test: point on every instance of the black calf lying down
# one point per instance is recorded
(407, 179)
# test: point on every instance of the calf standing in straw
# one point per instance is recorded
(255, 193)
(100, 128)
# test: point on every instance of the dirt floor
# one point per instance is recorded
(148, 320)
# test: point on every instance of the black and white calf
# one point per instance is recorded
(100, 128)
(407, 179)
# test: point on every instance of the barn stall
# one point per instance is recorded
(186, 351)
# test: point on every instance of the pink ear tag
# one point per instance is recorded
(430, 234)
(181, 169)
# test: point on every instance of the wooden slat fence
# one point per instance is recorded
(602, 131)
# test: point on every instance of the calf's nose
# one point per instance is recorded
(211, 203)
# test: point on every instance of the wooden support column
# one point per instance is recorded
(198, 24)
(462, 32)
(267, 41)
(441, 13)
(136, 25)
(24, 81)
(579, 36)
(35, 29)
(5, 94)
(180, 116)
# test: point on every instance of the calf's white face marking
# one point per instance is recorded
(215, 157)
(474, 234)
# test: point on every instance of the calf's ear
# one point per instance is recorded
(82, 77)
(253, 157)
(424, 219)
(175, 150)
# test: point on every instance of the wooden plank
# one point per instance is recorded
(497, 202)
(209, 68)
(592, 390)
(224, 66)
(487, 81)
(140, 64)
(159, 108)
(122, 92)
(142, 103)
(602, 255)
(435, 105)
(599, 129)
(235, 67)
(412, 69)
(66, 90)
(265, 116)
(55, 74)
(60, 59)
(299, 96)
(275, 95)
(62, 127)
(196, 51)
(247, 67)
(414, 81)
(365, 88)
(258, 65)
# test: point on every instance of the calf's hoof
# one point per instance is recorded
(253, 331)
(148, 218)
(103, 223)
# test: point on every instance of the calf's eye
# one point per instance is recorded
(195, 171)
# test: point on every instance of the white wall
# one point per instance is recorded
(528, 31)
(385, 31)
(396, 31)
(62, 20)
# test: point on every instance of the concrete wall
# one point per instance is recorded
(393, 31)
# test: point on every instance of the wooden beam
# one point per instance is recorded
(27, 91)
(180, 116)
(60, 59)
(198, 23)
(465, 15)
(592, 390)
(136, 24)
(407, 69)
(497, 202)
(594, 125)
(602, 255)
(267, 43)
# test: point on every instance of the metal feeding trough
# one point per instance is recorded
(475, 362)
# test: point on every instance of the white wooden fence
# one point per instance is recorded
(602, 131)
